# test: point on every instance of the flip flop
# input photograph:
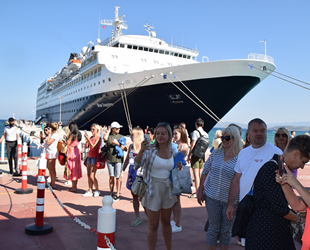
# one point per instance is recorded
(73, 191)
(136, 222)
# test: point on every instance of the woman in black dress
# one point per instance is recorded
(269, 226)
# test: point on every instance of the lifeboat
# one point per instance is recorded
(74, 65)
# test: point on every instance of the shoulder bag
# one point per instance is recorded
(181, 180)
(139, 186)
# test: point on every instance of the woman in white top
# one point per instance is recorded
(50, 148)
(180, 138)
(158, 199)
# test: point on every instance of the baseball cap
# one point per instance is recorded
(115, 125)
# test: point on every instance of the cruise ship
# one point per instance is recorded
(140, 80)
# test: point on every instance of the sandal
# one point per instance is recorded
(136, 222)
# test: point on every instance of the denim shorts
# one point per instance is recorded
(115, 168)
(91, 160)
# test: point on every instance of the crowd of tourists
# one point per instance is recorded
(236, 171)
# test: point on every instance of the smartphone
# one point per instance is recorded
(281, 165)
(147, 137)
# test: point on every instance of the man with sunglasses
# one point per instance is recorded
(250, 160)
(11, 135)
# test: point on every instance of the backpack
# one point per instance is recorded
(201, 146)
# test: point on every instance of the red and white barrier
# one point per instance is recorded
(40, 227)
(106, 224)
(2, 160)
(24, 189)
(19, 155)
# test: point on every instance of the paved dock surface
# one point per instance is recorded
(18, 210)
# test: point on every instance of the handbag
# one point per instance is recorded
(59, 146)
(62, 158)
(100, 163)
(297, 229)
(139, 186)
(245, 210)
(181, 180)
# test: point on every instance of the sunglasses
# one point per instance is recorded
(163, 124)
(281, 135)
(227, 137)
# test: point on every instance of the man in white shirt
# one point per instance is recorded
(197, 163)
(11, 135)
(250, 160)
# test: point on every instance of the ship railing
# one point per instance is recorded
(183, 48)
(88, 66)
(109, 41)
(261, 57)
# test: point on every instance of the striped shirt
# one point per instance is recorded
(220, 176)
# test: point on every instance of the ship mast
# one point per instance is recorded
(118, 23)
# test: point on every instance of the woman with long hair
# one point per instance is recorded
(281, 140)
(50, 148)
(73, 155)
(180, 138)
(137, 137)
(158, 199)
(220, 165)
(93, 143)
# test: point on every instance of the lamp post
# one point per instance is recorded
(60, 97)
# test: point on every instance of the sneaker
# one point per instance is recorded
(193, 196)
(49, 179)
(116, 198)
(172, 223)
(87, 194)
(176, 229)
(96, 193)
(242, 242)
(17, 174)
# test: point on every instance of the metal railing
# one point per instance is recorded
(261, 57)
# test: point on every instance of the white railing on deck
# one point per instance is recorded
(260, 57)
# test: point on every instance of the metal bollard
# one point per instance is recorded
(106, 224)
(40, 227)
(24, 189)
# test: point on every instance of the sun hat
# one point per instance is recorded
(115, 125)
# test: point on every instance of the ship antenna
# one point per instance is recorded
(118, 23)
(265, 47)
(98, 39)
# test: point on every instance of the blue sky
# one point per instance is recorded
(37, 38)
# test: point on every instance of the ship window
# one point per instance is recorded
(122, 45)
(140, 48)
(171, 53)
(194, 58)
(98, 82)
(91, 76)
(103, 81)
(109, 79)
(135, 47)
(184, 56)
(115, 45)
(95, 75)
(146, 49)
(175, 54)
(87, 86)
(155, 50)
(151, 50)
(180, 55)
(83, 98)
(166, 52)
(129, 46)
(188, 57)
(161, 52)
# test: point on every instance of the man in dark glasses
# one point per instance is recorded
(11, 135)
(250, 160)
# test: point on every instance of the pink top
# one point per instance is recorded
(74, 143)
(95, 151)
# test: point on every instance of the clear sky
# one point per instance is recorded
(38, 36)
